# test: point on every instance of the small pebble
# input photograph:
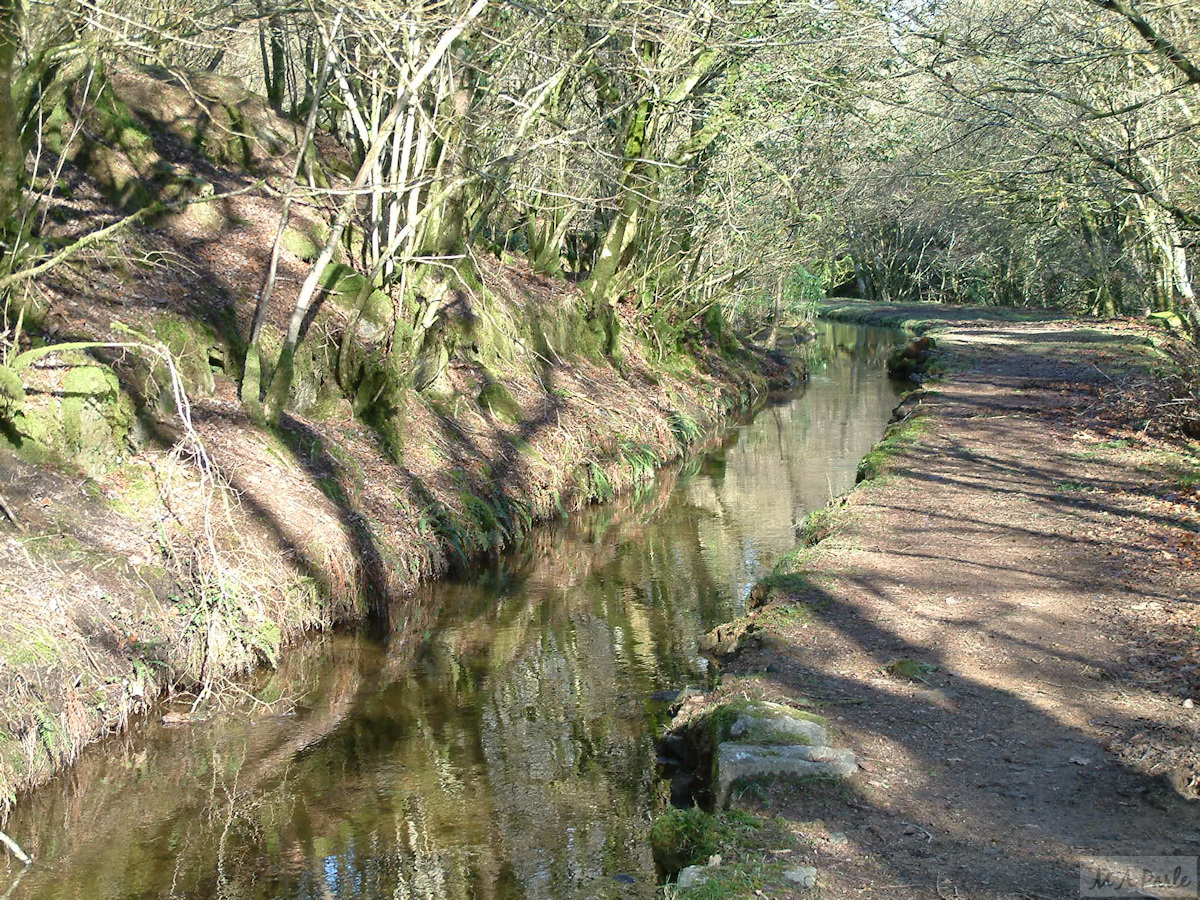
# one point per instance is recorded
(1189, 703)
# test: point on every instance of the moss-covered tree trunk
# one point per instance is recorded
(601, 287)
(271, 42)
(12, 158)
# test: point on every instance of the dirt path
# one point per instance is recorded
(1035, 555)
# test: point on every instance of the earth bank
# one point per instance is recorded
(145, 551)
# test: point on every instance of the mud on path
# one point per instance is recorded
(1033, 553)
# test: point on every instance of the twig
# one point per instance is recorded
(15, 849)
(12, 516)
(928, 836)
(13, 887)
(88, 653)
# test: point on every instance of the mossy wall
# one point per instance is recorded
(74, 409)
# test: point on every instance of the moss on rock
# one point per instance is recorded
(191, 345)
(77, 412)
(761, 722)
(499, 401)
(314, 391)
(302, 246)
(12, 391)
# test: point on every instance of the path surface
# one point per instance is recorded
(1035, 553)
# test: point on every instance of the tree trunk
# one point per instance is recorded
(773, 337)
(281, 379)
(12, 158)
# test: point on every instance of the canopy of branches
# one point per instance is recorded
(671, 159)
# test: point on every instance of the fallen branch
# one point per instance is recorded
(12, 516)
(15, 849)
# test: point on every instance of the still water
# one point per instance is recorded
(497, 741)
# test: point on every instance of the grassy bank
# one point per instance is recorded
(147, 578)
(919, 318)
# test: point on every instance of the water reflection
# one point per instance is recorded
(496, 743)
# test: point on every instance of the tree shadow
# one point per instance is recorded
(1004, 793)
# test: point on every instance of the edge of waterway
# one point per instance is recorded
(999, 620)
(154, 579)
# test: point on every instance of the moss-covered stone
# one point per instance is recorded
(499, 401)
(229, 124)
(55, 128)
(251, 385)
(133, 139)
(80, 414)
(117, 150)
(760, 722)
(191, 345)
(342, 284)
(302, 246)
(84, 385)
(314, 391)
(429, 368)
(116, 175)
(205, 219)
(12, 391)
(375, 318)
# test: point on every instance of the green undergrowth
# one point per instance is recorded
(898, 438)
(909, 669)
(818, 525)
(782, 615)
(690, 837)
(920, 318)
(1180, 468)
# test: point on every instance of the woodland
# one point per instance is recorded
(306, 302)
(712, 159)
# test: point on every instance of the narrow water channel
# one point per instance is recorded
(497, 740)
